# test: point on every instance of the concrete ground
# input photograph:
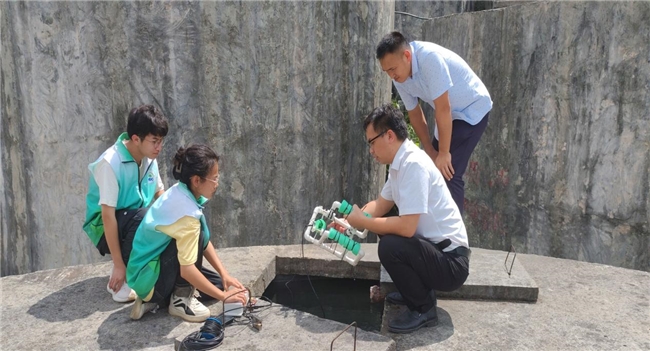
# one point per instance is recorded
(580, 306)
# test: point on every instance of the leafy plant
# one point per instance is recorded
(397, 102)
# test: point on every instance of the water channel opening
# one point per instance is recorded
(342, 300)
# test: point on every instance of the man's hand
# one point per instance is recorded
(356, 217)
(118, 276)
(339, 228)
(443, 162)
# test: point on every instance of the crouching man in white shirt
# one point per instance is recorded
(425, 248)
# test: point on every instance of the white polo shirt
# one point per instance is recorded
(435, 70)
(106, 181)
(417, 187)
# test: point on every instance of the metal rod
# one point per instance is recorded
(505, 264)
(343, 331)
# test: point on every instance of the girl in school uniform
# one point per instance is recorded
(167, 254)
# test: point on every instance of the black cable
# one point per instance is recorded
(223, 303)
(212, 333)
(317, 298)
(412, 15)
(302, 242)
(263, 307)
(286, 285)
(250, 311)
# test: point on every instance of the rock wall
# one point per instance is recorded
(564, 166)
(411, 16)
(278, 89)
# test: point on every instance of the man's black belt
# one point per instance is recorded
(460, 251)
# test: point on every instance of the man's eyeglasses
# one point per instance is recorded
(375, 138)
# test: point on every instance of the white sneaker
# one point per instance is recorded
(126, 294)
(187, 306)
(140, 308)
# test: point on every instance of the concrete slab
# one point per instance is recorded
(488, 280)
(580, 306)
(287, 329)
(69, 308)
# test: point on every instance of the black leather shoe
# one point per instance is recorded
(410, 321)
(397, 299)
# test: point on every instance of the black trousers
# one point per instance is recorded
(417, 267)
(170, 274)
(127, 224)
(464, 138)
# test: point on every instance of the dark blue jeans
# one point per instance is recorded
(464, 138)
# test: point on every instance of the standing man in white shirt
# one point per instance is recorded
(445, 81)
(426, 246)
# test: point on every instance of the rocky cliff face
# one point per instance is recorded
(278, 89)
(564, 166)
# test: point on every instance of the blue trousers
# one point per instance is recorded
(464, 138)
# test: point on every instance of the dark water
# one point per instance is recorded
(342, 300)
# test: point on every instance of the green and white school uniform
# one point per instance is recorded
(136, 186)
(178, 215)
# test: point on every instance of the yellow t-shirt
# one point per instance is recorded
(186, 231)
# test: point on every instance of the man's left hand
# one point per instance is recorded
(356, 217)
(443, 162)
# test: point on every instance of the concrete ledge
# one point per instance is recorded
(325, 268)
(488, 280)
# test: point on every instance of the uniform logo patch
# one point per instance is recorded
(150, 177)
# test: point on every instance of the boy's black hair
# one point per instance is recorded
(145, 120)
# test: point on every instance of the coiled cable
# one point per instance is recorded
(207, 338)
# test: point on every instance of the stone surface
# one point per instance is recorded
(564, 166)
(580, 306)
(411, 26)
(411, 16)
(488, 279)
(278, 89)
(281, 324)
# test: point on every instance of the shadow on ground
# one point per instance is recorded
(119, 332)
(426, 336)
(90, 296)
